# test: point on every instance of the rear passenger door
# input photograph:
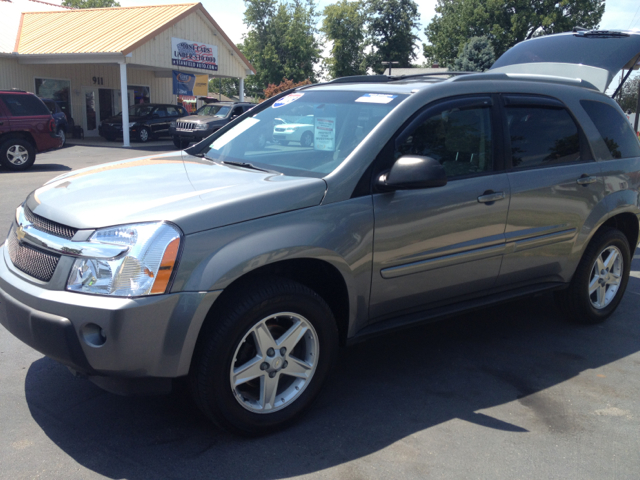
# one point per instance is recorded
(555, 185)
(434, 245)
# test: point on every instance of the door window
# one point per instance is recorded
(237, 111)
(542, 136)
(161, 112)
(459, 138)
(615, 130)
(172, 111)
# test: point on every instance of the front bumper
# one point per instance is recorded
(191, 135)
(143, 337)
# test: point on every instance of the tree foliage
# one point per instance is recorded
(392, 25)
(503, 22)
(344, 25)
(476, 56)
(90, 3)
(280, 42)
(628, 98)
(229, 87)
(283, 86)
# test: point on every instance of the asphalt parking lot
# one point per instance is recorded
(509, 392)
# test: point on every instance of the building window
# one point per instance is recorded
(56, 90)
(138, 95)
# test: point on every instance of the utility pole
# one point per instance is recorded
(389, 64)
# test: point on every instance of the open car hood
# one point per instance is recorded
(594, 56)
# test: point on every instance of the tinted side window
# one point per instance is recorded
(237, 111)
(172, 111)
(461, 140)
(614, 129)
(161, 112)
(542, 136)
(24, 105)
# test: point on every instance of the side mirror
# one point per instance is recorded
(413, 171)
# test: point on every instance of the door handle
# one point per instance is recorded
(585, 180)
(490, 196)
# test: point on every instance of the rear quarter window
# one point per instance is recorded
(614, 129)
(24, 105)
(542, 136)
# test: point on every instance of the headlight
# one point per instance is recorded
(132, 124)
(145, 269)
(202, 126)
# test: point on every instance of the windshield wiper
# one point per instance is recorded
(247, 165)
(202, 155)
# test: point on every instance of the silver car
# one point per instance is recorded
(244, 265)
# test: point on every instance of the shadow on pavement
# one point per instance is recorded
(382, 391)
(39, 168)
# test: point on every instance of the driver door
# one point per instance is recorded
(434, 245)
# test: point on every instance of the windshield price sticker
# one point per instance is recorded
(287, 100)
(325, 134)
(375, 98)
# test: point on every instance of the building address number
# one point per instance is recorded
(98, 80)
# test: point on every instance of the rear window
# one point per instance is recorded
(614, 129)
(542, 136)
(24, 105)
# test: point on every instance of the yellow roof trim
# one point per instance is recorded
(104, 30)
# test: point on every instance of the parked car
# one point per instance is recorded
(26, 128)
(59, 117)
(146, 121)
(244, 267)
(206, 120)
(297, 131)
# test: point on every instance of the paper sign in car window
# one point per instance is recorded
(375, 98)
(234, 132)
(325, 134)
(287, 100)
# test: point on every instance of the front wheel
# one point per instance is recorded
(263, 360)
(144, 135)
(307, 139)
(600, 280)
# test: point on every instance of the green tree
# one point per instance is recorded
(344, 25)
(628, 98)
(392, 25)
(229, 87)
(476, 56)
(503, 22)
(280, 43)
(90, 3)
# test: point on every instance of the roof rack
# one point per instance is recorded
(386, 78)
(531, 77)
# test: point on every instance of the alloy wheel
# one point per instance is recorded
(17, 155)
(274, 362)
(606, 275)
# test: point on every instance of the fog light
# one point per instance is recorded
(93, 335)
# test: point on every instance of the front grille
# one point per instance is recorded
(30, 260)
(186, 125)
(48, 226)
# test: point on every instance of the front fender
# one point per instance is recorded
(340, 234)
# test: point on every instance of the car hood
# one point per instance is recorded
(193, 193)
(593, 56)
(201, 119)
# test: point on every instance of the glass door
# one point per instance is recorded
(91, 110)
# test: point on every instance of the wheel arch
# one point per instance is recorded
(23, 135)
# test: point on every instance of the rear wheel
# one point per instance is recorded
(307, 139)
(263, 361)
(144, 135)
(600, 280)
(17, 154)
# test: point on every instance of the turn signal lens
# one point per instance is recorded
(166, 267)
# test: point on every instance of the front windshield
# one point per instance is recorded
(304, 133)
(213, 111)
(140, 110)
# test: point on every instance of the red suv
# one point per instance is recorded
(26, 127)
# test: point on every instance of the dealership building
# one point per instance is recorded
(96, 62)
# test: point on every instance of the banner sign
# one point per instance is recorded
(201, 88)
(185, 53)
(183, 83)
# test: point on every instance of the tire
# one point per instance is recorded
(180, 144)
(283, 142)
(17, 154)
(592, 297)
(242, 335)
(307, 139)
(144, 135)
(63, 135)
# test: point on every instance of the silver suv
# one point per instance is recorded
(244, 265)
